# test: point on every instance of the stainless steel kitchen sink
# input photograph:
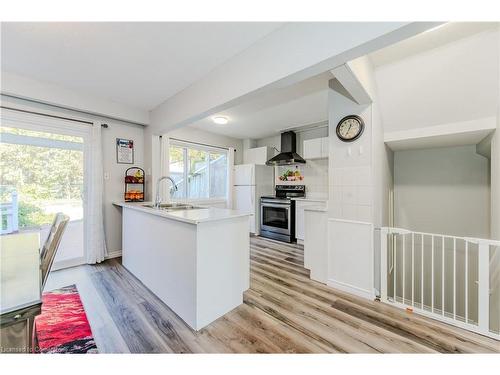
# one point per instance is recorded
(186, 208)
(174, 206)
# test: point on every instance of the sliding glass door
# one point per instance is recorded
(43, 170)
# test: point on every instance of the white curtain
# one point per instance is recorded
(155, 165)
(164, 168)
(95, 239)
(230, 176)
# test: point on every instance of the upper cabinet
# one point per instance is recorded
(258, 155)
(316, 148)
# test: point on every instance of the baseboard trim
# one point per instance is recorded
(351, 289)
(67, 264)
(78, 262)
(114, 254)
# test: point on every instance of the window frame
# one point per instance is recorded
(185, 145)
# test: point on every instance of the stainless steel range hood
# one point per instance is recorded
(288, 154)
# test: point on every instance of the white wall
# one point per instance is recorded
(114, 187)
(442, 190)
(452, 83)
(495, 182)
(495, 172)
(495, 210)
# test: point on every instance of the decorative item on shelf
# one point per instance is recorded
(290, 175)
(134, 184)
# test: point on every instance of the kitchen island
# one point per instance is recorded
(196, 260)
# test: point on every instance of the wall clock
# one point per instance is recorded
(350, 128)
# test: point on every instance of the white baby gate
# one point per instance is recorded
(449, 278)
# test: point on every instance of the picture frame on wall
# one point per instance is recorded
(124, 151)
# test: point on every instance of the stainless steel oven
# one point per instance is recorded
(276, 218)
(277, 213)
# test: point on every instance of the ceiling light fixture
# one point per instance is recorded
(220, 120)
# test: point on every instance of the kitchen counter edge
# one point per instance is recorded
(186, 216)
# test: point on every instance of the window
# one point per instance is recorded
(199, 172)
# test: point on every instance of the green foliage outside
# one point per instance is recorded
(31, 215)
(40, 175)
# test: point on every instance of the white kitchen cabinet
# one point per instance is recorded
(197, 263)
(316, 148)
(312, 149)
(258, 155)
(316, 244)
(300, 205)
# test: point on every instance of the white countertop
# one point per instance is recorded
(193, 216)
(312, 199)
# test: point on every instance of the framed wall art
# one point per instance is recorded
(124, 151)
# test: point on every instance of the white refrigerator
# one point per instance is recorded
(250, 183)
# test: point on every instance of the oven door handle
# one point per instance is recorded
(276, 205)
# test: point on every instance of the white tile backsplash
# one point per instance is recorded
(349, 211)
(363, 176)
(352, 193)
(349, 195)
(337, 194)
(315, 174)
(364, 195)
(364, 213)
(348, 176)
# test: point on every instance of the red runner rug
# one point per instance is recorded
(63, 327)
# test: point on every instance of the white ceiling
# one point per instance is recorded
(138, 64)
(294, 106)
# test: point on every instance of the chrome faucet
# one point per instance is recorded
(158, 199)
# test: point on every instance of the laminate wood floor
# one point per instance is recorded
(283, 312)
